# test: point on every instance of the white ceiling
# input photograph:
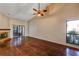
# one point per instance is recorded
(22, 11)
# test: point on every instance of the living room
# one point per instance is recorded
(50, 27)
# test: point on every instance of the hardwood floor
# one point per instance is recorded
(36, 47)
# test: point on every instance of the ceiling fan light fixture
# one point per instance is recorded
(39, 14)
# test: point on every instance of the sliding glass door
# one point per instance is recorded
(18, 34)
(18, 30)
(73, 32)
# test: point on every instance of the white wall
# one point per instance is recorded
(4, 22)
(53, 28)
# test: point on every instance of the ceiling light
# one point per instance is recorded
(39, 15)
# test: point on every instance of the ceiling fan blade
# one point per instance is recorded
(35, 9)
(44, 10)
(42, 14)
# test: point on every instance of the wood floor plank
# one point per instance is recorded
(37, 47)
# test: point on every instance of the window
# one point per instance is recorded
(73, 31)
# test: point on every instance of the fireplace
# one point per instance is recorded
(4, 37)
(4, 33)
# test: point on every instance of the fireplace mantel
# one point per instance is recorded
(4, 29)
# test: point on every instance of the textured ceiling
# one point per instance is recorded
(22, 11)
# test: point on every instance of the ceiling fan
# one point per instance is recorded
(39, 12)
